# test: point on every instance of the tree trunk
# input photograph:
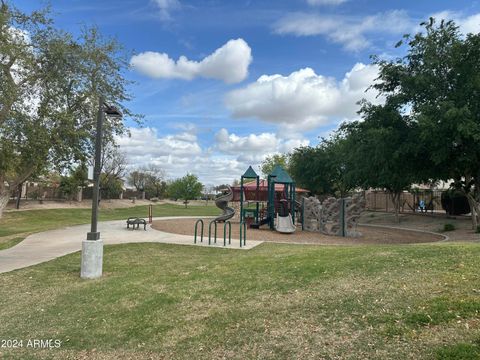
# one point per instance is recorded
(5, 194)
(19, 196)
(474, 208)
(396, 205)
(4, 197)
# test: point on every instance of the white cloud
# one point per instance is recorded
(177, 154)
(233, 144)
(303, 100)
(325, 2)
(466, 23)
(350, 31)
(166, 7)
(254, 148)
(470, 24)
(227, 158)
(228, 63)
(146, 143)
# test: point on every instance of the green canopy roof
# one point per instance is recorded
(281, 176)
(250, 173)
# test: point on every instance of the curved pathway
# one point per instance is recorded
(48, 245)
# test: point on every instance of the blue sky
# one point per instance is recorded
(222, 84)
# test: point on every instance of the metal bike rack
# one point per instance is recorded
(201, 231)
(210, 232)
(243, 233)
(225, 233)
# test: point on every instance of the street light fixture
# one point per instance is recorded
(92, 247)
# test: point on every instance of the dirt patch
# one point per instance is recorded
(426, 222)
(370, 235)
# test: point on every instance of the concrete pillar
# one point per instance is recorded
(80, 194)
(92, 259)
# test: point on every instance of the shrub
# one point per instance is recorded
(448, 227)
(454, 202)
(110, 188)
(477, 230)
(68, 187)
(34, 195)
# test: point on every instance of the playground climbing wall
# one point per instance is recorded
(312, 208)
(337, 217)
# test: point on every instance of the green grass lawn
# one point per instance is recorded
(26, 222)
(9, 242)
(273, 302)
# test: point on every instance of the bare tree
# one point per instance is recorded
(114, 162)
(114, 166)
(155, 182)
(136, 178)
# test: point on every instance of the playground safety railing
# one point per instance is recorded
(201, 231)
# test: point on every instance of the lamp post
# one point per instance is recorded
(92, 247)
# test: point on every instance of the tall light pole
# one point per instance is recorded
(92, 247)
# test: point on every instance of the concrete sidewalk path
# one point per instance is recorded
(48, 245)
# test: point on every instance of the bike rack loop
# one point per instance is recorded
(225, 233)
(201, 229)
(210, 232)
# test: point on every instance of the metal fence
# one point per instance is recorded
(47, 192)
(409, 201)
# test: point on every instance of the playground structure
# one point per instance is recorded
(222, 203)
(334, 216)
(274, 200)
(273, 203)
(283, 209)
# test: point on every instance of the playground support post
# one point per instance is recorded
(271, 200)
(150, 213)
(225, 233)
(201, 231)
(257, 206)
(292, 201)
(210, 232)
(241, 199)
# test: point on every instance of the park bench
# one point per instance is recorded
(136, 221)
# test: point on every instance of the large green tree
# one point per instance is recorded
(186, 188)
(384, 151)
(439, 81)
(269, 163)
(69, 184)
(50, 86)
(323, 169)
